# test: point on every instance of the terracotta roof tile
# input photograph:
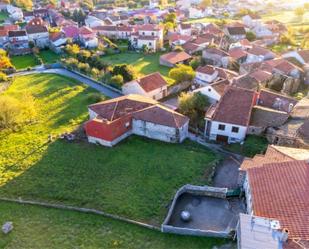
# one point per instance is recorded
(175, 57)
(281, 191)
(235, 106)
(152, 82)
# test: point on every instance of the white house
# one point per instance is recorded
(214, 91)
(148, 35)
(195, 13)
(251, 20)
(302, 56)
(206, 74)
(262, 31)
(38, 35)
(88, 37)
(113, 120)
(92, 21)
(259, 54)
(228, 120)
(185, 29)
(15, 13)
(153, 86)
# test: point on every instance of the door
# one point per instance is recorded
(222, 139)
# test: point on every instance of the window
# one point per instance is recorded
(221, 127)
(150, 43)
(152, 34)
(235, 129)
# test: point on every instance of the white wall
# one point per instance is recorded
(134, 88)
(159, 132)
(103, 142)
(233, 137)
(248, 194)
(206, 78)
(295, 55)
(151, 44)
(210, 92)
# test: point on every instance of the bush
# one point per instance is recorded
(196, 62)
(182, 73)
(126, 71)
(95, 98)
(117, 80)
(3, 77)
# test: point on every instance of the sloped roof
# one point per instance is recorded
(34, 29)
(281, 191)
(235, 106)
(175, 57)
(159, 114)
(152, 82)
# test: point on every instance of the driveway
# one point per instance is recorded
(227, 173)
(107, 91)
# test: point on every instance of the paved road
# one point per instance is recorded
(103, 89)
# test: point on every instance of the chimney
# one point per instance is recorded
(284, 235)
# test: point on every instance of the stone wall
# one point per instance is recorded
(196, 190)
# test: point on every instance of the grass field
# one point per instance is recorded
(143, 64)
(25, 61)
(37, 228)
(136, 179)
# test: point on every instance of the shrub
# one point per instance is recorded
(117, 80)
(95, 98)
(182, 73)
(126, 71)
(3, 77)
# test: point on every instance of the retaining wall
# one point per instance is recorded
(196, 190)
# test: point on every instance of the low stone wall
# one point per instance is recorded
(196, 190)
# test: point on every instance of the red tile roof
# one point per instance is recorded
(152, 82)
(206, 69)
(161, 115)
(175, 57)
(275, 100)
(305, 55)
(237, 53)
(235, 106)
(281, 191)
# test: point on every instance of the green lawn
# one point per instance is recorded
(253, 145)
(49, 56)
(288, 17)
(143, 64)
(3, 16)
(23, 61)
(37, 228)
(136, 179)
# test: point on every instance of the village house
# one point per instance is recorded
(228, 120)
(16, 14)
(174, 58)
(235, 33)
(278, 190)
(92, 21)
(192, 48)
(57, 41)
(302, 56)
(243, 44)
(176, 39)
(148, 35)
(4, 33)
(216, 57)
(214, 91)
(259, 54)
(206, 74)
(252, 20)
(18, 42)
(113, 120)
(238, 55)
(37, 32)
(153, 86)
(185, 29)
(88, 37)
(28, 16)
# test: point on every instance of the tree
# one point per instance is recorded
(299, 12)
(72, 49)
(88, 4)
(3, 77)
(126, 71)
(5, 62)
(196, 62)
(24, 4)
(178, 49)
(250, 36)
(168, 26)
(193, 105)
(206, 3)
(182, 73)
(117, 80)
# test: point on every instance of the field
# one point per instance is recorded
(25, 61)
(288, 17)
(37, 228)
(143, 64)
(136, 179)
